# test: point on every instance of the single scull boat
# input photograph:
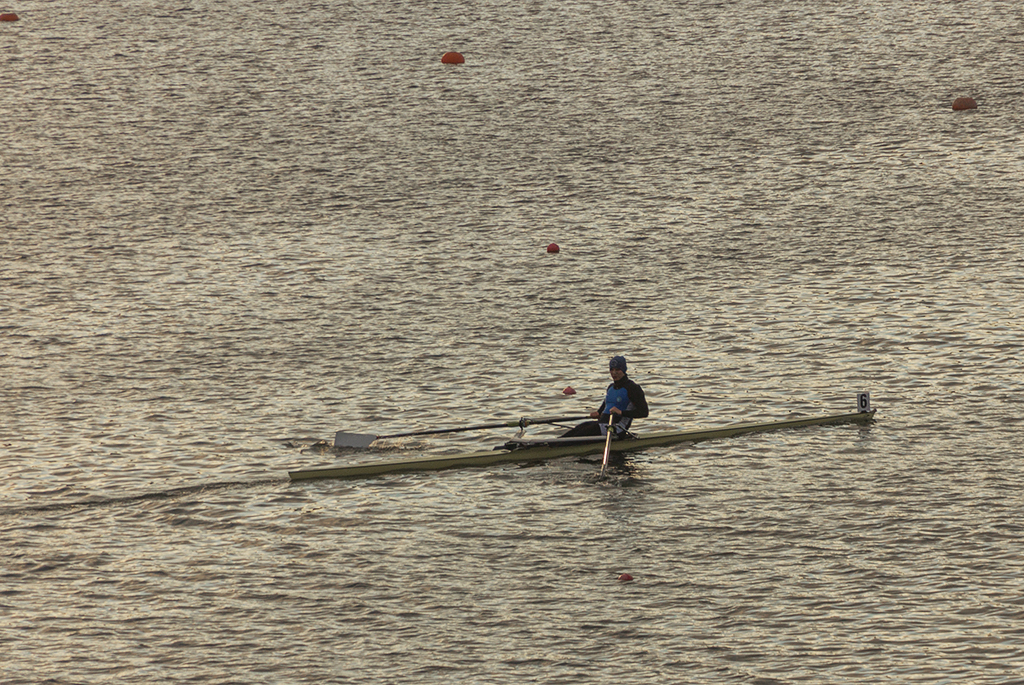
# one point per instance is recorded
(528, 450)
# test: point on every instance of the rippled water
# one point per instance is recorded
(231, 229)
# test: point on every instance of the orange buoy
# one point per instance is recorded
(9, 16)
(553, 247)
(964, 103)
(452, 58)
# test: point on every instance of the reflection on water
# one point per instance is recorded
(234, 230)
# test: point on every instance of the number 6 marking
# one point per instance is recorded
(863, 401)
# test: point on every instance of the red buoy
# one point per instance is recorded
(964, 103)
(625, 578)
(569, 390)
(9, 16)
(553, 247)
(452, 58)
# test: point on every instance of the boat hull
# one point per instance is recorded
(553, 449)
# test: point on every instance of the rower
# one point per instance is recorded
(624, 400)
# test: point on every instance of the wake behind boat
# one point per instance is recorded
(524, 450)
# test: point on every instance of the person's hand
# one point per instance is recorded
(615, 410)
(594, 415)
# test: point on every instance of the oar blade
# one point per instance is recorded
(343, 439)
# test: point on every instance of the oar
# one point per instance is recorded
(343, 439)
(607, 444)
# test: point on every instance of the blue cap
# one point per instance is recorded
(617, 363)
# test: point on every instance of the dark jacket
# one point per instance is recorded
(635, 403)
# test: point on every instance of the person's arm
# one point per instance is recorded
(639, 400)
